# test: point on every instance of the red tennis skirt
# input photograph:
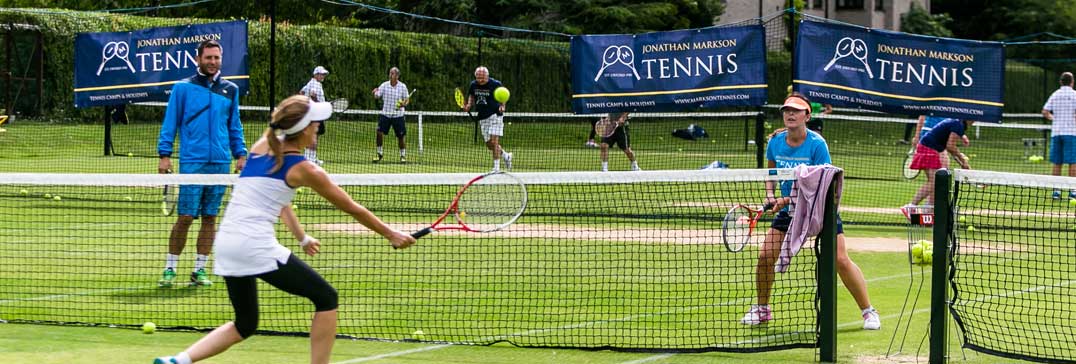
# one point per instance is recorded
(926, 158)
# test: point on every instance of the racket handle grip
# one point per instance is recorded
(419, 234)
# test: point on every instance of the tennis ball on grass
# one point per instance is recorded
(963, 219)
(679, 149)
(48, 195)
(57, 198)
(971, 228)
(24, 192)
(501, 94)
(149, 328)
(1072, 202)
(128, 198)
(418, 335)
(130, 154)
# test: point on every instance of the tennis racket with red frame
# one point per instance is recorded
(739, 224)
(489, 202)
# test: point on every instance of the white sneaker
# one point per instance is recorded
(758, 314)
(507, 161)
(871, 320)
(591, 144)
(636, 168)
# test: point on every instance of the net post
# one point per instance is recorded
(827, 281)
(108, 132)
(760, 130)
(943, 227)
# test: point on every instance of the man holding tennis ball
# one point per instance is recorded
(489, 96)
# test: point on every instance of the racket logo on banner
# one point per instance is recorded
(618, 54)
(856, 48)
(112, 50)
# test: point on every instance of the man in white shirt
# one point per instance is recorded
(394, 99)
(1060, 109)
(316, 93)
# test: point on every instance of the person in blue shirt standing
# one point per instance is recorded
(204, 111)
(930, 154)
(490, 115)
(787, 148)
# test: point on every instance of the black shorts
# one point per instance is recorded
(321, 127)
(815, 124)
(783, 220)
(384, 123)
(619, 138)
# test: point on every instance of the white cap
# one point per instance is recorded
(318, 111)
(319, 70)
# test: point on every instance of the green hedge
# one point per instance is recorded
(537, 71)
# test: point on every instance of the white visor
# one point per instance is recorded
(318, 111)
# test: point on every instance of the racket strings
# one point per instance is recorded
(491, 203)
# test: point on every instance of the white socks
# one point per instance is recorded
(605, 166)
(379, 151)
(403, 152)
(171, 262)
(199, 261)
(496, 164)
(634, 165)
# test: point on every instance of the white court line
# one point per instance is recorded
(389, 355)
(572, 326)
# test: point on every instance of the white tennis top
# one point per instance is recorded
(246, 242)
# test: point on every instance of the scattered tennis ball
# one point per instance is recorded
(128, 198)
(963, 219)
(463, 214)
(418, 335)
(57, 198)
(679, 149)
(509, 123)
(48, 195)
(130, 154)
(294, 207)
(971, 228)
(928, 256)
(1072, 202)
(149, 328)
(715, 140)
(501, 94)
(24, 192)
(661, 138)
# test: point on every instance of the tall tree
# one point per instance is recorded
(919, 21)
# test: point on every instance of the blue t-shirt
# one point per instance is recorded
(485, 104)
(938, 137)
(928, 123)
(814, 151)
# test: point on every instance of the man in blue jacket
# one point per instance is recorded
(204, 111)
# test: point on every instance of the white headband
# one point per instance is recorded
(318, 111)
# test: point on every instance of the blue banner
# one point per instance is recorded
(899, 73)
(669, 71)
(123, 67)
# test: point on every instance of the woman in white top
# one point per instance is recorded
(246, 244)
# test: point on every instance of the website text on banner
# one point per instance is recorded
(669, 71)
(899, 73)
(124, 67)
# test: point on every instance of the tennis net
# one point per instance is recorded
(624, 261)
(1013, 286)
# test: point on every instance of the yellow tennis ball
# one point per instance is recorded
(928, 256)
(917, 250)
(149, 328)
(24, 192)
(463, 214)
(963, 219)
(48, 195)
(679, 149)
(130, 154)
(501, 94)
(294, 207)
(57, 198)
(1072, 202)
(971, 228)
(128, 198)
(418, 335)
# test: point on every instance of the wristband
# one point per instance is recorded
(307, 239)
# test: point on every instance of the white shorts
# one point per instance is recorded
(493, 125)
